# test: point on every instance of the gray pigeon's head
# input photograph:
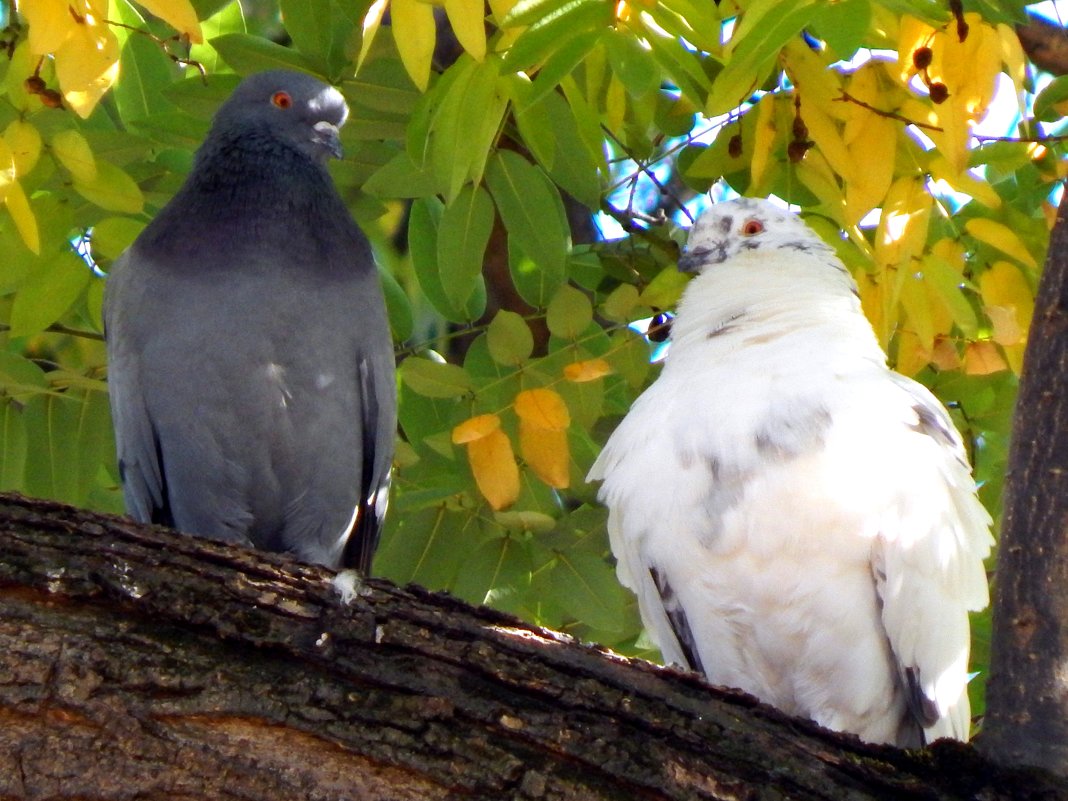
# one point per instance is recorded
(745, 224)
(290, 107)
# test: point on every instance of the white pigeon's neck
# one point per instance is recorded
(754, 300)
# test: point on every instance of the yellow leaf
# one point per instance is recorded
(983, 358)
(87, 64)
(1000, 236)
(372, 21)
(1012, 55)
(902, 230)
(50, 23)
(911, 355)
(823, 130)
(475, 428)
(964, 182)
(871, 140)
(1004, 285)
(615, 104)
(415, 35)
(469, 24)
(1010, 304)
(7, 169)
(18, 206)
(1006, 328)
(912, 35)
(74, 153)
(811, 74)
(25, 143)
(945, 356)
(112, 189)
(179, 14)
(542, 408)
(763, 139)
(546, 453)
(495, 470)
(589, 370)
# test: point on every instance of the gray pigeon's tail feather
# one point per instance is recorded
(363, 540)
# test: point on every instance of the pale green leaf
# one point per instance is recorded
(463, 234)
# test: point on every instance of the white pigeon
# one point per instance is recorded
(797, 520)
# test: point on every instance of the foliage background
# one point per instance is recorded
(488, 149)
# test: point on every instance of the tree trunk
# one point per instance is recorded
(137, 663)
(1027, 697)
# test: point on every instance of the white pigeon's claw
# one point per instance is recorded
(797, 520)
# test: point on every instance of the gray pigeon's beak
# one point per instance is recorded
(328, 138)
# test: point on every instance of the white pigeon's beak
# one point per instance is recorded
(328, 138)
(693, 261)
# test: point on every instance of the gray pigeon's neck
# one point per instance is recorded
(251, 188)
(256, 175)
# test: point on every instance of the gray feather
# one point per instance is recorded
(251, 366)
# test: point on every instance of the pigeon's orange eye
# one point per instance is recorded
(282, 99)
(752, 227)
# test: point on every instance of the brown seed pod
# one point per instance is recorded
(938, 92)
(800, 130)
(796, 150)
(52, 98)
(921, 58)
(34, 85)
(734, 146)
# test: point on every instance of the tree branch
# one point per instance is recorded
(139, 663)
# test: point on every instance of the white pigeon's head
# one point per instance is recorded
(746, 224)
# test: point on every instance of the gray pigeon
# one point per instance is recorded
(251, 366)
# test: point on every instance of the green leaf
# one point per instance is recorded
(71, 434)
(47, 292)
(458, 138)
(632, 64)
(112, 235)
(551, 31)
(319, 30)
(509, 339)
(764, 30)
(247, 54)
(496, 574)
(463, 234)
(664, 290)
(532, 211)
(574, 168)
(586, 586)
(423, 223)
(435, 379)
(1053, 95)
(948, 284)
(400, 177)
(228, 19)
(198, 99)
(13, 446)
(421, 547)
(398, 307)
(563, 61)
(843, 26)
(570, 313)
(112, 189)
(145, 69)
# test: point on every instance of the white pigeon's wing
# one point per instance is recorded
(927, 561)
(135, 441)
(639, 459)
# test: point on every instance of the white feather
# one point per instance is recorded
(811, 511)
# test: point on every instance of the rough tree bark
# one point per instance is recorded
(1027, 697)
(136, 663)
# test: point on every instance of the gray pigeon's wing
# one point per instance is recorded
(378, 404)
(135, 440)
